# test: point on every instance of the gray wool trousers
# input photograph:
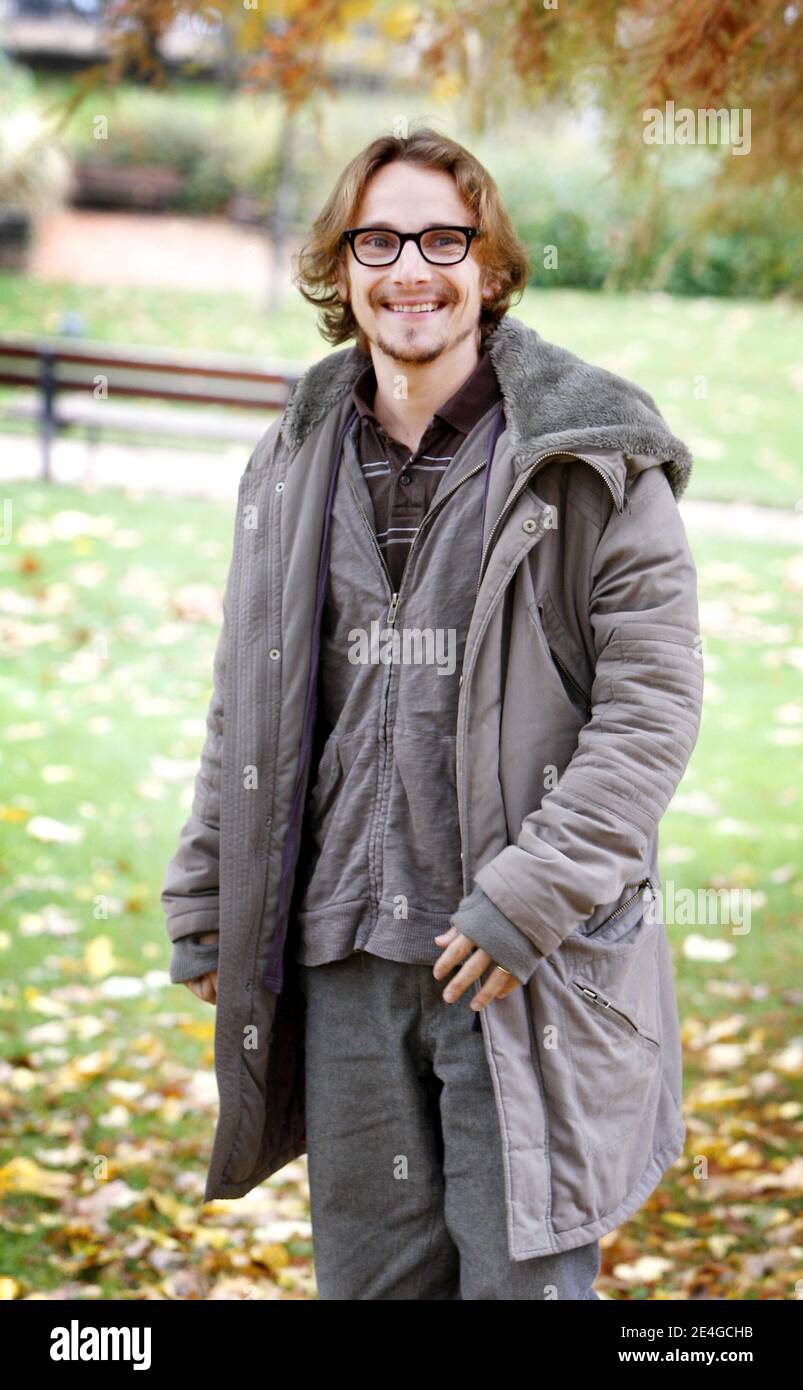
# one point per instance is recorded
(404, 1153)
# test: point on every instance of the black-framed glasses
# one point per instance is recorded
(374, 246)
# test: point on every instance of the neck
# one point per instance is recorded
(428, 386)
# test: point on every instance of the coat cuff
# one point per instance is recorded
(481, 921)
(190, 959)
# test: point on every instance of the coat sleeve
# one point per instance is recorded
(190, 894)
(190, 890)
(589, 835)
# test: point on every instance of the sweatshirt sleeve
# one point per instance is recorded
(190, 958)
(489, 928)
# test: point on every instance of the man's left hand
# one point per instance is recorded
(458, 947)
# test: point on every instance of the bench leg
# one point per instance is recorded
(48, 384)
(92, 435)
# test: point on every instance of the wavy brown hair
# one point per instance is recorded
(499, 250)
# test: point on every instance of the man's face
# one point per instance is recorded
(408, 198)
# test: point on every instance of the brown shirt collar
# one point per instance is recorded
(462, 410)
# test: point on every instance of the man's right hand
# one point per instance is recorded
(205, 986)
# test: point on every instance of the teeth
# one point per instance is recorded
(412, 308)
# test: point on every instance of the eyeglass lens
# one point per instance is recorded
(438, 244)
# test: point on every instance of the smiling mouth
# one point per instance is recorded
(424, 309)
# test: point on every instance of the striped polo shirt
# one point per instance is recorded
(402, 483)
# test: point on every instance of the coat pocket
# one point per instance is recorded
(609, 922)
(611, 978)
(600, 1029)
(615, 1067)
(618, 1017)
(561, 651)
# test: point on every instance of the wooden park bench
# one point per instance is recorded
(68, 383)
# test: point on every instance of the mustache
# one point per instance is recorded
(448, 296)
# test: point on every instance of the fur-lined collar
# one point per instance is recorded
(553, 400)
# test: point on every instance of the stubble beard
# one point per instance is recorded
(412, 353)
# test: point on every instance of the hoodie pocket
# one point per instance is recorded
(324, 792)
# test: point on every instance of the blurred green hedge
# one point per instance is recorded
(554, 175)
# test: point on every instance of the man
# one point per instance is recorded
(457, 683)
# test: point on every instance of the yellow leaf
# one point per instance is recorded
(271, 1256)
(215, 1237)
(203, 1030)
(99, 957)
(177, 1212)
(23, 1175)
(678, 1218)
(74, 1073)
(160, 1238)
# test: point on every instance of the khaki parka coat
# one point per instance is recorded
(579, 707)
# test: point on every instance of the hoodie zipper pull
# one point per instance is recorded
(394, 603)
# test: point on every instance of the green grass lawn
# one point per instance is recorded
(110, 623)
(724, 373)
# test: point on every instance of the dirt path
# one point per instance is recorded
(126, 248)
(193, 471)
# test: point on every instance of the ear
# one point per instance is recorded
(341, 283)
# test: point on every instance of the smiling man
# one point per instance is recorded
(425, 899)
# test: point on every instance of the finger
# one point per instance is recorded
(459, 947)
(470, 972)
(199, 986)
(497, 986)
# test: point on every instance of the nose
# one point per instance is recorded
(411, 261)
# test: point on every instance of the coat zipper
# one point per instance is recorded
(570, 678)
(605, 1003)
(640, 888)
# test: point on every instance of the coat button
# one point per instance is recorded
(460, 682)
(280, 487)
(405, 478)
(274, 653)
(268, 820)
(529, 525)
